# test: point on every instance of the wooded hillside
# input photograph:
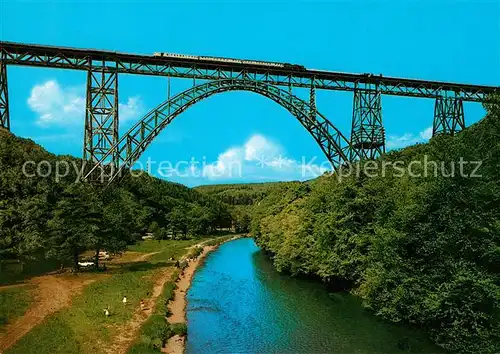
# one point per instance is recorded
(423, 250)
(42, 218)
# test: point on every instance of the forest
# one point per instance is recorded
(42, 218)
(417, 250)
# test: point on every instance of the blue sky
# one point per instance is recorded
(437, 40)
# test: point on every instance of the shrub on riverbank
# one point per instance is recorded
(178, 329)
(167, 295)
(155, 332)
(421, 250)
(195, 252)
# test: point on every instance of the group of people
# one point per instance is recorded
(107, 312)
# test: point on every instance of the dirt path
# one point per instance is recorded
(129, 332)
(51, 293)
(144, 257)
(131, 256)
(175, 345)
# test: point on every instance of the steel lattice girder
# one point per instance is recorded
(101, 116)
(312, 101)
(83, 59)
(4, 98)
(448, 116)
(367, 133)
(132, 144)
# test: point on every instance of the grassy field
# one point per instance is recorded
(83, 328)
(156, 330)
(165, 248)
(13, 303)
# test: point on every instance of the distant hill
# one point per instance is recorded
(239, 194)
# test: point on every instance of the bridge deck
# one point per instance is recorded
(85, 59)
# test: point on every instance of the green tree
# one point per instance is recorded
(178, 222)
(75, 225)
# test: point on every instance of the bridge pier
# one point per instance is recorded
(4, 98)
(448, 116)
(367, 132)
(101, 116)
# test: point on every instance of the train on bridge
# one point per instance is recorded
(289, 66)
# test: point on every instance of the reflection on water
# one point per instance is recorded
(238, 303)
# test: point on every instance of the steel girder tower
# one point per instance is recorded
(101, 115)
(4, 98)
(367, 132)
(448, 116)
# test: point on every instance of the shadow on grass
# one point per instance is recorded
(142, 266)
(30, 269)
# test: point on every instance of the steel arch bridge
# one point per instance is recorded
(103, 145)
(135, 141)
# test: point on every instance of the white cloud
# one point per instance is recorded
(258, 159)
(56, 105)
(258, 147)
(133, 109)
(401, 141)
(228, 164)
(426, 134)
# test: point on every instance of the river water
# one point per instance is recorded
(238, 303)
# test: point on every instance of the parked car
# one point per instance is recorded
(86, 264)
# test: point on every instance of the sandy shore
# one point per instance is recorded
(176, 344)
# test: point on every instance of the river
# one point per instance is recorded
(238, 303)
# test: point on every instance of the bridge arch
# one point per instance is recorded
(135, 141)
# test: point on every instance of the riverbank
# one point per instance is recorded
(177, 307)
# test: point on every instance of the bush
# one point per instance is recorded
(179, 329)
(155, 332)
(195, 252)
(167, 296)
